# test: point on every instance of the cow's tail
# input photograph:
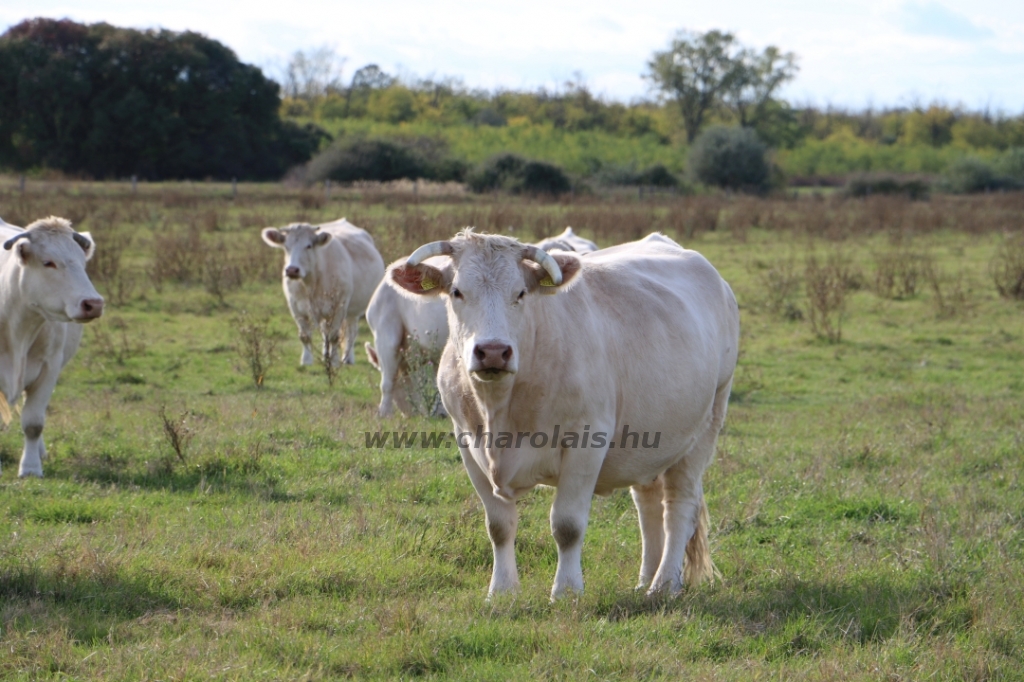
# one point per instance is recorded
(698, 552)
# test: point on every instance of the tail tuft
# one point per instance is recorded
(698, 552)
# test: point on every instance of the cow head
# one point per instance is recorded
(298, 241)
(53, 280)
(488, 285)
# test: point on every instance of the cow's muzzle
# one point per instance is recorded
(491, 361)
(89, 309)
(292, 272)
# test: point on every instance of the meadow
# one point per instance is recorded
(867, 498)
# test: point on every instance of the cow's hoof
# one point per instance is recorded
(31, 473)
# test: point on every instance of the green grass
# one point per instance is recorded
(866, 500)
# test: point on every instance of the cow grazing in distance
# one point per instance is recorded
(567, 241)
(639, 338)
(395, 318)
(330, 273)
(45, 294)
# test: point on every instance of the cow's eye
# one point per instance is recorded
(521, 294)
(457, 294)
(49, 264)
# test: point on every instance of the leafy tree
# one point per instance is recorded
(755, 79)
(112, 102)
(696, 70)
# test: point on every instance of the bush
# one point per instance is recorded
(867, 186)
(655, 176)
(517, 175)
(1011, 165)
(731, 158)
(385, 160)
(971, 174)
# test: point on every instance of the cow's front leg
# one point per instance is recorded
(33, 419)
(569, 515)
(502, 523)
(650, 508)
(305, 325)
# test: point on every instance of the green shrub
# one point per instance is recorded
(1011, 165)
(971, 174)
(731, 158)
(517, 175)
(385, 160)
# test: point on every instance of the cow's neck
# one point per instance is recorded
(19, 327)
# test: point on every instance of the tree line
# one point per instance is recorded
(113, 102)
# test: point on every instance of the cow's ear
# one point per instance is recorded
(273, 237)
(418, 279)
(538, 279)
(321, 238)
(23, 248)
(87, 244)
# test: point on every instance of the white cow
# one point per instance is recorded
(395, 318)
(567, 241)
(43, 290)
(330, 273)
(626, 368)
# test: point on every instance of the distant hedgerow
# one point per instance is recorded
(517, 175)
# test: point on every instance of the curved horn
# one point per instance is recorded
(9, 244)
(544, 259)
(82, 241)
(427, 250)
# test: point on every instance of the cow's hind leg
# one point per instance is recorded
(350, 329)
(686, 513)
(650, 508)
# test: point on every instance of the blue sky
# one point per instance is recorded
(852, 54)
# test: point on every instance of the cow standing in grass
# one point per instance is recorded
(330, 273)
(639, 338)
(44, 292)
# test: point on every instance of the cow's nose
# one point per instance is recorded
(292, 272)
(91, 308)
(492, 355)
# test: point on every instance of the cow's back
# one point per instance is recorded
(366, 264)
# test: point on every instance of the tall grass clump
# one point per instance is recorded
(1007, 268)
(826, 286)
(255, 343)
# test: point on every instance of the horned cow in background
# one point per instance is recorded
(330, 272)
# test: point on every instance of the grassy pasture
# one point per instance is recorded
(866, 501)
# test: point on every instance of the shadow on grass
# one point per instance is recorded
(230, 475)
(87, 600)
(791, 616)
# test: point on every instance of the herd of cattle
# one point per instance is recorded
(558, 336)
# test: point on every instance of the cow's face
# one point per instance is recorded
(53, 280)
(298, 242)
(488, 285)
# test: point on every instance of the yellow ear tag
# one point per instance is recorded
(547, 281)
(427, 284)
